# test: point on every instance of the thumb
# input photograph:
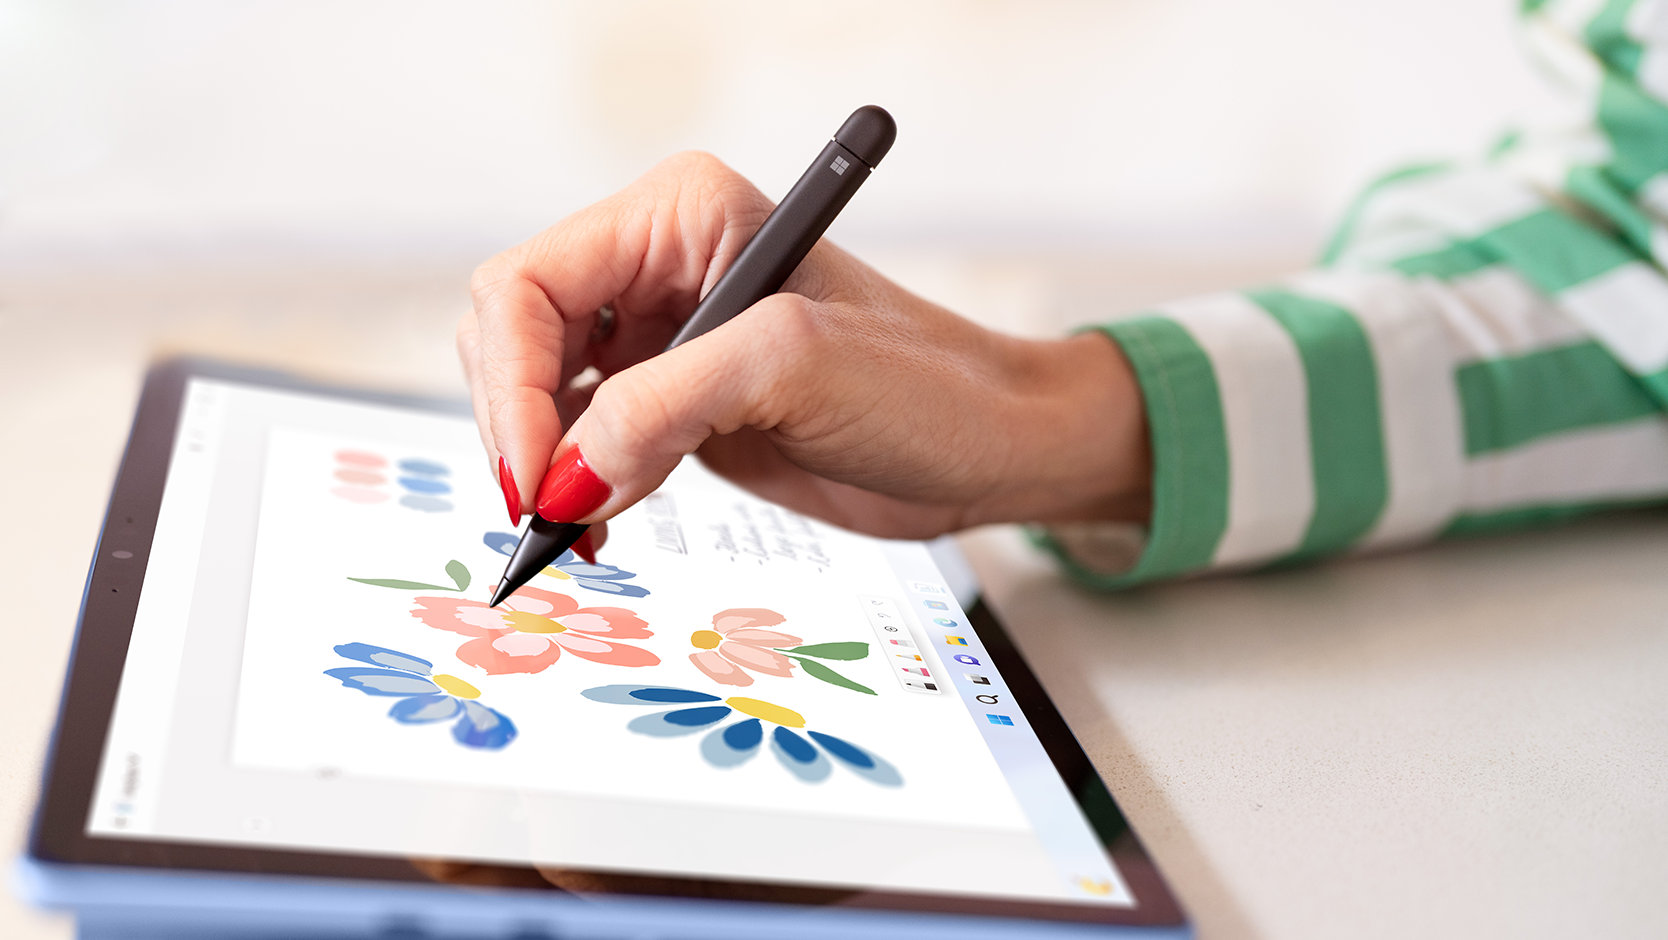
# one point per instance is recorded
(643, 420)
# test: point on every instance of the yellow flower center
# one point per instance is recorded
(556, 572)
(531, 623)
(706, 639)
(767, 711)
(452, 685)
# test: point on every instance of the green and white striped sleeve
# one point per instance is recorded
(1484, 345)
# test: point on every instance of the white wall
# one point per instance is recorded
(133, 131)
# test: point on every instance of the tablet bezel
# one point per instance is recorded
(104, 629)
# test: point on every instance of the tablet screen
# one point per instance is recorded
(732, 691)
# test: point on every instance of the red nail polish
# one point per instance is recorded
(512, 496)
(571, 490)
(584, 549)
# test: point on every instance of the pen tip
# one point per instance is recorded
(503, 590)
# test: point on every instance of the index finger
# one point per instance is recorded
(524, 321)
(646, 252)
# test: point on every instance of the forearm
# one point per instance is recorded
(1074, 433)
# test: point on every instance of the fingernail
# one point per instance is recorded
(571, 490)
(512, 496)
(584, 549)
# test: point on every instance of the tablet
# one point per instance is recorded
(286, 680)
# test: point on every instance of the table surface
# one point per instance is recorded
(1468, 739)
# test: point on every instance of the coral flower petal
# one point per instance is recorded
(614, 622)
(521, 644)
(483, 617)
(530, 600)
(527, 605)
(756, 636)
(586, 621)
(758, 660)
(602, 651)
(454, 614)
(719, 669)
(580, 643)
(520, 657)
(737, 617)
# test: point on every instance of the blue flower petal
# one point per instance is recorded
(645, 695)
(798, 756)
(382, 681)
(882, 773)
(483, 727)
(720, 749)
(583, 569)
(615, 694)
(383, 656)
(794, 746)
(650, 693)
(744, 735)
(501, 542)
(870, 767)
(844, 750)
(612, 587)
(695, 717)
(423, 708)
(657, 725)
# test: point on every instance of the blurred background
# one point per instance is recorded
(144, 137)
(309, 184)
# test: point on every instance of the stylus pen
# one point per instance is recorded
(778, 247)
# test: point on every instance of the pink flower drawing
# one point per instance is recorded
(532, 629)
(738, 641)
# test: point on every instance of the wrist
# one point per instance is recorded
(1078, 428)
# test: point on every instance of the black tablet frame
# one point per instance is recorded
(104, 630)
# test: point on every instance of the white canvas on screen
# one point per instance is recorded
(698, 548)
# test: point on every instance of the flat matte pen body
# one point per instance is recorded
(761, 269)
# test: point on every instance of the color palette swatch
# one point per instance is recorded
(365, 477)
(888, 623)
(424, 482)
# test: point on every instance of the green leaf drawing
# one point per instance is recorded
(455, 569)
(402, 585)
(820, 671)
(832, 650)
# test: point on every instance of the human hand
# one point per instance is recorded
(844, 397)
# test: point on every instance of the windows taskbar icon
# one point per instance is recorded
(1098, 887)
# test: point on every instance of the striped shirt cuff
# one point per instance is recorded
(1184, 412)
(1267, 435)
(1359, 409)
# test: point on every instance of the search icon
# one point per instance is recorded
(986, 699)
